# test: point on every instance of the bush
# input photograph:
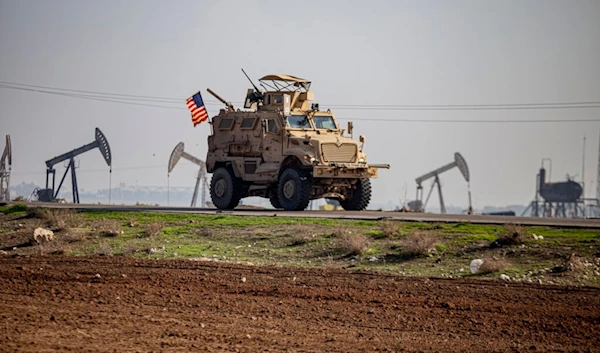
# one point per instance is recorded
(512, 235)
(104, 250)
(492, 265)
(389, 228)
(110, 228)
(353, 244)
(302, 234)
(153, 229)
(418, 243)
(56, 219)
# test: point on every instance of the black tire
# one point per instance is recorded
(225, 189)
(294, 189)
(360, 197)
(274, 198)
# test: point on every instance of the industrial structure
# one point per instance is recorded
(558, 199)
(49, 194)
(201, 180)
(460, 163)
(5, 168)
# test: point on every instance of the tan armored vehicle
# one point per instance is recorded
(285, 149)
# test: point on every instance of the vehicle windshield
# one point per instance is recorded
(324, 122)
(298, 122)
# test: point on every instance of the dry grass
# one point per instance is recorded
(110, 228)
(389, 228)
(104, 249)
(341, 231)
(353, 244)
(204, 232)
(152, 230)
(302, 234)
(493, 265)
(56, 219)
(418, 243)
(512, 235)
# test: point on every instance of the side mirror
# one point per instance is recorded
(361, 138)
(350, 126)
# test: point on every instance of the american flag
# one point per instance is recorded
(196, 107)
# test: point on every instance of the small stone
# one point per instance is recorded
(248, 335)
(504, 277)
(243, 279)
(202, 325)
(97, 275)
(124, 275)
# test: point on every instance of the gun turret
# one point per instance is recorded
(252, 97)
(227, 104)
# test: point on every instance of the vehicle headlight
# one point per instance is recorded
(312, 159)
(362, 160)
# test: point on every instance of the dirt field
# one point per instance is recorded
(121, 304)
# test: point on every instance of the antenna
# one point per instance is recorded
(176, 155)
(49, 194)
(5, 169)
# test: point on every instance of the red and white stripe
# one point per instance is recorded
(199, 114)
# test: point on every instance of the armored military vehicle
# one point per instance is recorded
(284, 148)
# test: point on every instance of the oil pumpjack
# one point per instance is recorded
(460, 163)
(49, 194)
(201, 180)
(5, 168)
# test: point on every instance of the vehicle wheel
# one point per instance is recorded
(360, 197)
(294, 189)
(274, 198)
(225, 189)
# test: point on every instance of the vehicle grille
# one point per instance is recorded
(345, 153)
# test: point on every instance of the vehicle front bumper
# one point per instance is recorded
(344, 170)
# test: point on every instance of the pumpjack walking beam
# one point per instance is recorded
(176, 155)
(99, 142)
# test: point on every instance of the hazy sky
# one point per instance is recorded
(355, 52)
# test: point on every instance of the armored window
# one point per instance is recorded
(278, 99)
(298, 122)
(271, 126)
(248, 123)
(226, 124)
(324, 122)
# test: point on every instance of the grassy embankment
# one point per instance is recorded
(411, 248)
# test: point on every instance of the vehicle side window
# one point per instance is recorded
(277, 99)
(271, 126)
(226, 124)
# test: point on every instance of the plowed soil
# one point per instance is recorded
(123, 304)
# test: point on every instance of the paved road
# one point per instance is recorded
(367, 215)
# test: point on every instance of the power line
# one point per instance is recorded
(586, 104)
(133, 100)
(476, 121)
